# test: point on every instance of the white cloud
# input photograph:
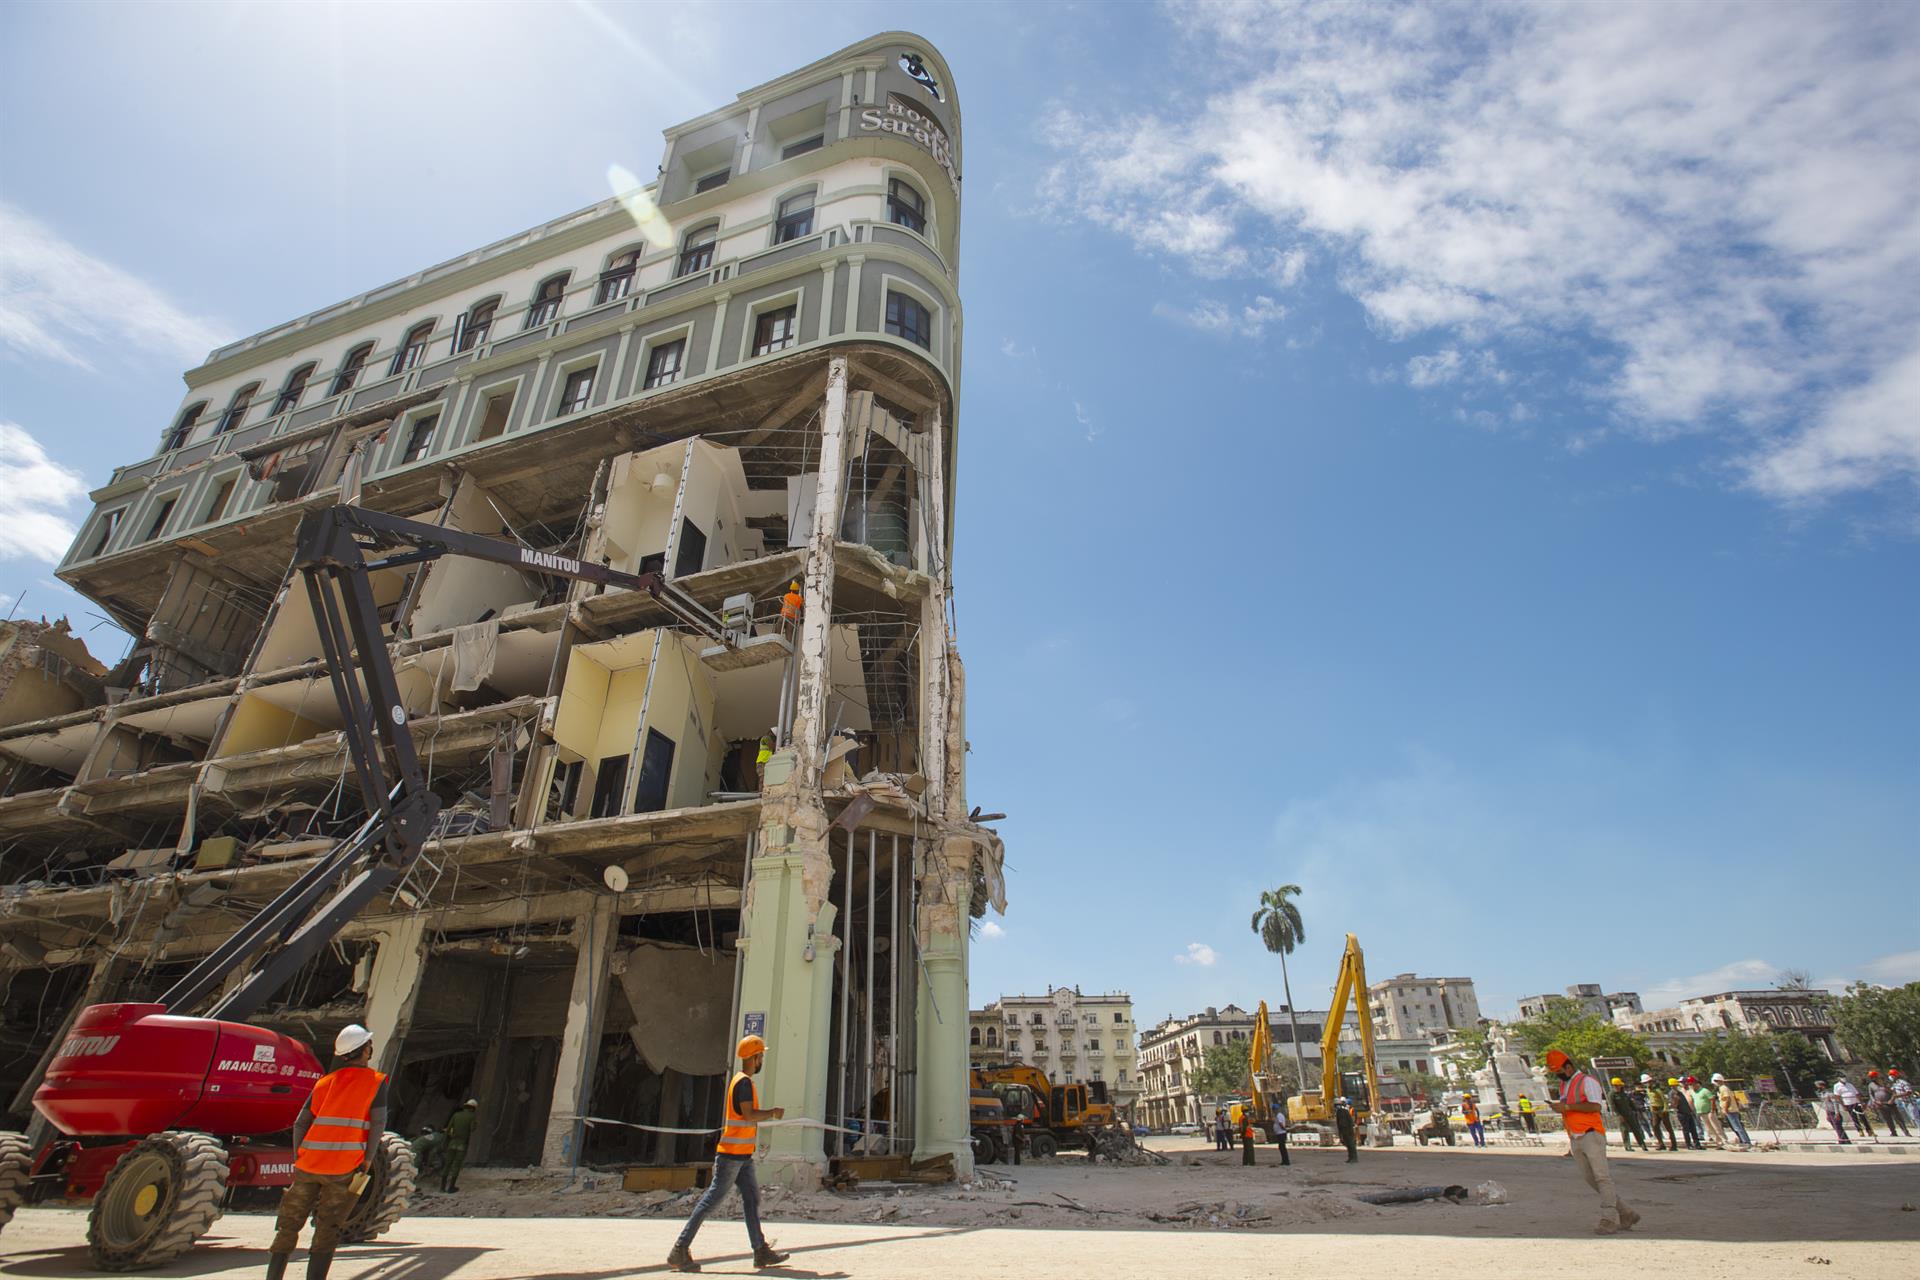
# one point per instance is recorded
(1086, 422)
(1249, 320)
(988, 929)
(57, 300)
(35, 493)
(1434, 370)
(1715, 201)
(1739, 975)
(1894, 970)
(1198, 953)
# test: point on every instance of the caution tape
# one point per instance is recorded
(800, 1123)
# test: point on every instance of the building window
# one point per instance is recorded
(696, 251)
(718, 178)
(419, 438)
(350, 368)
(1093, 1046)
(237, 409)
(616, 282)
(494, 421)
(221, 496)
(109, 525)
(906, 207)
(159, 525)
(663, 363)
(973, 1037)
(412, 348)
(295, 388)
(577, 391)
(774, 330)
(475, 325)
(906, 318)
(793, 219)
(803, 146)
(546, 300)
(184, 427)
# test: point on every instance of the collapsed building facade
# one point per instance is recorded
(741, 376)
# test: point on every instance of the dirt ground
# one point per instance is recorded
(1708, 1214)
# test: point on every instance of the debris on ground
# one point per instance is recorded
(1490, 1192)
(1414, 1195)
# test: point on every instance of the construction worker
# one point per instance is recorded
(733, 1161)
(1829, 1102)
(1280, 1131)
(1525, 1104)
(1579, 1108)
(1654, 1099)
(1707, 1106)
(1681, 1104)
(1881, 1096)
(791, 606)
(459, 1133)
(336, 1138)
(1730, 1108)
(1628, 1115)
(1470, 1112)
(763, 755)
(429, 1149)
(1850, 1101)
(1349, 1131)
(1904, 1096)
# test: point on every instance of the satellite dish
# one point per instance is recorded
(616, 878)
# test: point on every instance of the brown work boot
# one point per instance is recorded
(768, 1256)
(1607, 1227)
(318, 1261)
(1628, 1218)
(681, 1259)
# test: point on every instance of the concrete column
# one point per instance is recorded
(580, 1042)
(392, 989)
(786, 952)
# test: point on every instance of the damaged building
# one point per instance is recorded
(741, 376)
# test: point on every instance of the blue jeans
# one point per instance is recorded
(1739, 1127)
(728, 1170)
(1479, 1134)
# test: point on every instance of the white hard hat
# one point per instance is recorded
(350, 1040)
(1644, 1077)
(1718, 1078)
(473, 1102)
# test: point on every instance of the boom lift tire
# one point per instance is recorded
(1041, 1145)
(16, 1174)
(160, 1197)
(388, 1196)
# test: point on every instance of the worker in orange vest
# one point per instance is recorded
(733, 1161)
(790, 606)
(1579, 1108)
(336, 1139)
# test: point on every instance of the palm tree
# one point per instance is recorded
(1278, 924)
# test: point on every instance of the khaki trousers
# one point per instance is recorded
(327, 1198)
(1590, 1156)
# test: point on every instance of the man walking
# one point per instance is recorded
(733, 1161)
(1654, 1098)
(335, 1138)
(1349, 1135)
(1579, 1107)
(1470, 1112)
(1628, 1115)
(459, 1134)
(1280, 1132)
(1682, 1106)
(1730, 1108)
(1829, 1103)
(1526, 1114)
(1883, 1103)
(1850, 1102)
(1220, 1141)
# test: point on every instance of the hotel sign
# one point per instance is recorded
(899, 117)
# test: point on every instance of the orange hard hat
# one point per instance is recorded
(1873, 1075)
(749, 1046)
(1556, 1059)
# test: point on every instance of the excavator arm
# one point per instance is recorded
(331, 553)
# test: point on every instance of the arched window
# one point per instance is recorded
(906, 207)
(993, 1037)
(296, 386)
(475, 325)
(547, 299)
(350, 368)
(696, 250)
(237, 408)
(974, 1039)
(616, 282)
(183, 428)
(413, 348)
(793, 217)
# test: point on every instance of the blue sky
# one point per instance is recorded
(1425, 453)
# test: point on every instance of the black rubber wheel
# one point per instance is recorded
(984, 1147)
(160, 1197)
(389, 1192)
(16, 1173)
(1042, 1145)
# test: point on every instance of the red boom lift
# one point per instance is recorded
(159, 1113)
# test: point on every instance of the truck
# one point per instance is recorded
(1054, 1117)
(157, 1112)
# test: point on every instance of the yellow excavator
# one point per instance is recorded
(1360, 1088)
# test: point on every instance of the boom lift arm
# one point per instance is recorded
(331, 553)
(1351, 984)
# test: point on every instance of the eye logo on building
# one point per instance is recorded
(911, 63)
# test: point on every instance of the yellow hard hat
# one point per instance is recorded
(749, 1046)
(1616, 1080)
(1673, 1079)
(794, 585)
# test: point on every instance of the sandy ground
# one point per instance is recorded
(1706, 1215)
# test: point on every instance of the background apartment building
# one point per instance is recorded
(1173, 1050)
(1074, 1038)
(1590, 998)
(742, 375)
(1406, 1007)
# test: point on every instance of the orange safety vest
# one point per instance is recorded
(739, 1135)
(342, 1103)
(790, 606)
(1574, 1090)
(1469, 1110)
